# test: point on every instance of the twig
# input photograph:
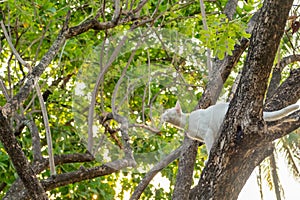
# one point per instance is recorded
(47, 129)
(149, 128)
(12, 46)
(209, 64)
(126, 140)
(113, 101)
(36, 143)
(36, 72)
(95, 92)
(157, 168)
(4, 90)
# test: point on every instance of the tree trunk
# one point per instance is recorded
(14, 150)
(243, 130)
(210, 96)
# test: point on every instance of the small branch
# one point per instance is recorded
(116, 89)
(4, 90)
(157, 168)
(140, 6)
(209, 63)
(12, 46)
(144, 126)
(112, 133)
(36, 143)
(95, 92)
(126, 140)
(116, 15)
(47, 129)
(32, 77)
(96, 25)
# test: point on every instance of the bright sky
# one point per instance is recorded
(290, 185)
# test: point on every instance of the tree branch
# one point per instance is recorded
(47, 129)
(276, 75)
(157, 168)
(209, 97)
(283, 127)
(230, 8)
(243, 128)
(36, 140)
(32, 77)
(17, 188)
(82, 174)
(20, 161)
(96, 89)
(283, 95)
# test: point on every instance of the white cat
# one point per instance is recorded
(204, 124)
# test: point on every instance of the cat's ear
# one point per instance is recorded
(178, 107)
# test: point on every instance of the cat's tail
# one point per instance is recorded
(278, 114)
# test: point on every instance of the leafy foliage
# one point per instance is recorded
(159, 73)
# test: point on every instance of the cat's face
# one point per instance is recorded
(172, 115)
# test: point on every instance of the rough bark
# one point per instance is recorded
(210, 96)
(243, 127)
(185, 170)
(17, 189)
(21, 164)
(276, 74)
(282, 97)
(230, 8)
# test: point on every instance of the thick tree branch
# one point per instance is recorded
(243, 125)
(7, 137)
(185, 169)
(283, 95)
(20, 161)
(277, 130)
(94, 24)
(82, 174)
(17, 189)
(209, 97)
(276, 75)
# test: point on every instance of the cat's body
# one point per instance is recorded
(204, 124)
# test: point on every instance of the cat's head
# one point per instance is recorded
(172, 115)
